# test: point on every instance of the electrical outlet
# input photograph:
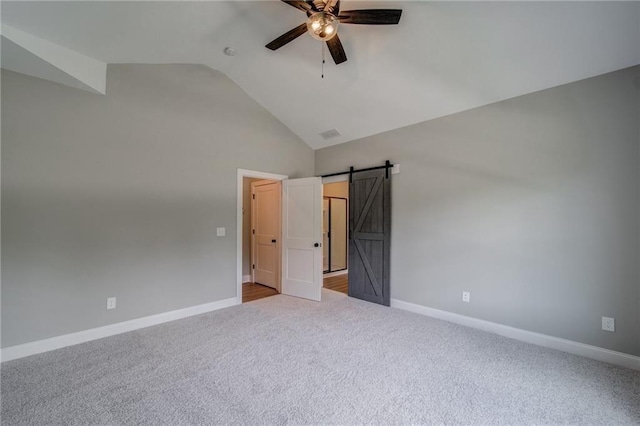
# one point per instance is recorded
(220, 232)
(111, 302)
(466, 297)
(608, 324)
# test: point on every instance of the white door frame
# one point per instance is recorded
(243, 173)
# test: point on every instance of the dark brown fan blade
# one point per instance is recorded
(299, 4)
(287, 37)
(333, 7)
(371, 16)
(336, 50)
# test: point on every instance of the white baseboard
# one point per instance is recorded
(570, 346)
(246, 279)
(32, 348)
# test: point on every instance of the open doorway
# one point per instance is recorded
(261, 236)
(335, 234)
(259, 266)
(299, 267)
(300, 248)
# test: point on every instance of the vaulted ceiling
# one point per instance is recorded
(443, 57)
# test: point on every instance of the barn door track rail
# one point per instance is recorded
(351, 171)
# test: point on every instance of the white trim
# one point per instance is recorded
(39, 346)
(570, 346)
(246, 279)
(243, 173)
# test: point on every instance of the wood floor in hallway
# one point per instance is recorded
(253, 291)
(337, 283)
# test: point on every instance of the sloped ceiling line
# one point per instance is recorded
(31, 55)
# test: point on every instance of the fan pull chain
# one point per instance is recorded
(322, 59)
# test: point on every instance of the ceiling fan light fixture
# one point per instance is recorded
(323, 18)
(322, 26)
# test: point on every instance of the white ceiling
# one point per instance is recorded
(443, 58)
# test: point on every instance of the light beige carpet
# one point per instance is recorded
(342, 361)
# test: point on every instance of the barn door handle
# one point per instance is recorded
(316, 245)
(273, 241)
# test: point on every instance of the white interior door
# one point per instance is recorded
(265, 241)
(302, 237)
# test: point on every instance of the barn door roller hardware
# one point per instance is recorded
(351, 171)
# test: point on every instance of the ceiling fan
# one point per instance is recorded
(323, 18)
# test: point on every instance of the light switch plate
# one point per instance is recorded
(220, 232)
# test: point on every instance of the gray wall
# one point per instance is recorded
(120, 195)
(531, 204)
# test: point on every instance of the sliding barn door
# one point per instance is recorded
(302, 237)
(370, 236)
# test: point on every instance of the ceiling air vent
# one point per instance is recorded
(330, 134)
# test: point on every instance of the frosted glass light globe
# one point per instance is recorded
(322, 26)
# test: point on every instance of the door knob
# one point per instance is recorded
(316, 245)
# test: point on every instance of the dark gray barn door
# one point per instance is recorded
(370, 236)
